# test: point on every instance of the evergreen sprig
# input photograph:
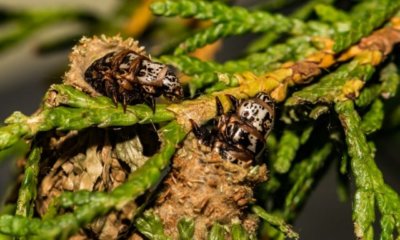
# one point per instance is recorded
(344, 82)
(273, 68)
(287, 148)
(150, 225)
(28, 190)
(231, 21)
(330, 14)
(186, 229)
(371, 189)
(276, 221)
(74, 111)
(303, 178)
(373, 119)
(93, 204)
(363, 24)
(218, 12)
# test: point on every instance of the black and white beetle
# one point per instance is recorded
(130, 78)
(240, 133)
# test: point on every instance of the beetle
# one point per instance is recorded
(131, 78)
(239, 135)
(214, 171)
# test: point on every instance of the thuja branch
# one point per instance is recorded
(371, 188)
(93, 204)
(93, 113)
(230, 21)
(205, 73)
(348, 80)
(373, 119)
(28, 189)
(150, 225)
(303, 178)
(301, 13)
(364, 23)
(275, 221)
(66, 108)
(138, 181)
(218, 12)
(276, 82)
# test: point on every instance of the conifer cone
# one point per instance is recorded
(93, 160)
(208, 189)
(90, 49)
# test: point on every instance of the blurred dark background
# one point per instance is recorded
(26, 75)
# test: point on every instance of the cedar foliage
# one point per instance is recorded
(319, 62)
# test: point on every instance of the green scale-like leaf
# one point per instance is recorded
(372, 120)
(330, 87)
(229, 21)
(303, 178)
(363, 24)
(28, 189)
(151, 226)
(371, 189)
(275, 221)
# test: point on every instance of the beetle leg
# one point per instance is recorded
(111, 90)
(115, 100)
(220, 111)
(197, 131)
(150, 101)
(202, 134)
(235, 102)
(124, 102)
(220, 108)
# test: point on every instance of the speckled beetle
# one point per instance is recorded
(240, 134)
(130, 78)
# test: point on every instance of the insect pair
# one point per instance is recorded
(239, 135)
(130, 78)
